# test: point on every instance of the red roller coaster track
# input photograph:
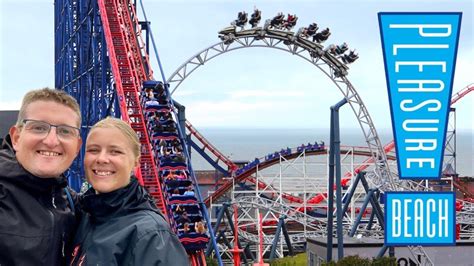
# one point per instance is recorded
(129, 73)
(129, 60)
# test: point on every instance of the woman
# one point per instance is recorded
(121, 225)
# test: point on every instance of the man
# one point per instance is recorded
(36, 217)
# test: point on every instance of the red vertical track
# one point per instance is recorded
(128, 70)
(141, 44)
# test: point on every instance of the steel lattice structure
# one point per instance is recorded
(300, 175)
(258, 200)
(82, 67)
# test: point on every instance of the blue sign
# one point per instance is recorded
(420, 56)
(420, 218)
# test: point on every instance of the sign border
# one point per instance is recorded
(430, 244)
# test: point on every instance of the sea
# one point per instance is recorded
(246, 144)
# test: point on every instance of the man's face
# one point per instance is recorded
(46, 156)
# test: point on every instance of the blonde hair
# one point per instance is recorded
(48, 94)
(124, 128)
(199, 227)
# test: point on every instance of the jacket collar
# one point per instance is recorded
(131, 198)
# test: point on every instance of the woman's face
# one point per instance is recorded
(109, 159)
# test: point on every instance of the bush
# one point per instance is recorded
(352, 260)
(211, 261)
(356, 260)
(383, 261)
(298, 260)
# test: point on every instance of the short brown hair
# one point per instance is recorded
(124, 128)
(47, 94)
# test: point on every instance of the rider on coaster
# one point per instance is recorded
(255, 18)
(290, 21)
(277, 21)
(241, 19)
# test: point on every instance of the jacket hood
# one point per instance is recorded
(13, 172)
(128, 199)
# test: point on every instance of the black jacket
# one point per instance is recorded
(36, 221)
(124, 227)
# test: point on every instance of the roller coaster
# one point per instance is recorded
(102, 58)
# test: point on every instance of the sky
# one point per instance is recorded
(248, 88)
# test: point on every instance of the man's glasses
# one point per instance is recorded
(42, 129)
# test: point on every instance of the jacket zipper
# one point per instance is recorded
(53, 231)
(53, 200)
(62, 241)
